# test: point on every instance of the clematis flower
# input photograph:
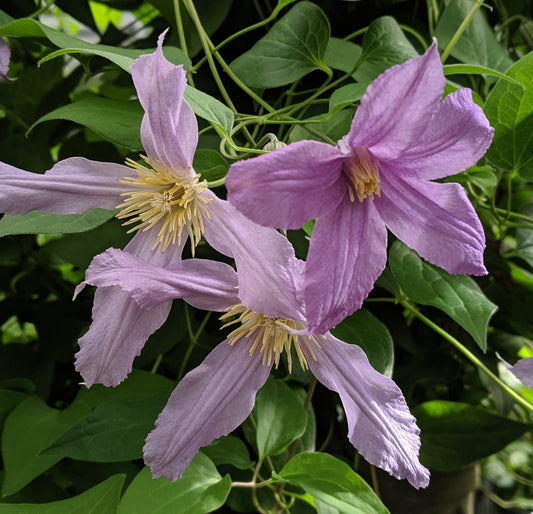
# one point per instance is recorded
(523, 370)
(269, 319)
(160, 196)
(379, 175)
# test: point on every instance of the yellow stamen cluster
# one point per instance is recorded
(160, 196)
(270, 335)
(362, 172)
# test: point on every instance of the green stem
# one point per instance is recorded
(466, 352)
(460, 30)
(181, 36)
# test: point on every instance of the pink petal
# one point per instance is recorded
(436, 220)
(264, 258)
(289, 186)
(457, 137)
(120, 326)
(205, 284)
(398, 106)
(380, 425)
(523, 370)
(72, 186)
(169, 131)
(347, 253)
(5, 54)
(210, 401)
(116, 336)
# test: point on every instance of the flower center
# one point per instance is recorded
(270, 335)
(161, 197)
(362, 172)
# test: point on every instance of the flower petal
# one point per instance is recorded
(436, 220)
(169, 130)
(523, 370)
(120, 326)
(205, 284)
(72, 186)
(210, 401)
(347, 253)
(265, 260)
(287, 187)
(398, 106)
(380, 425)
(457, 137)
(5, 54)
(116, 336)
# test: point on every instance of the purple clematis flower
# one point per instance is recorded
(161, 196)
(266, 311)
(523, 370)
(379, 175)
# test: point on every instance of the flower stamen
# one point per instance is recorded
(362, 172)
(161, 196)
(270, 336)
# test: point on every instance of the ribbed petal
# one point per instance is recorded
(436, 220)
(398, 106)
(347, 253)
(457, 137)
(169, 131)
(265, 260)
(205, 284)
(72, 186)
(523, 370)
(287, 187)
(380, 425)
(120, 326)
(210, 401)
(117, 335)
(5, 54)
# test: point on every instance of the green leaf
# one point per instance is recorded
(114, 432)
(118, 121)
(292, 48)
(210, 164)
(384, 45)
(100, 499)
(509, 108)
(210, 109)
(454, 434)
(524, 240)
(342, 55)
(457, 295)
(123, 57)
(333, 127)
(229, 450)
(478, 43)
(280, 418)
(332, 482)
(200, 489)
(366, 331)
(8, 401)
(37, 222)
(346, 95)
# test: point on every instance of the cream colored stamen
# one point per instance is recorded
(362, 172)
(161, 197)
(270, 335)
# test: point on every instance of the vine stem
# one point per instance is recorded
(466, 352)
(460, 30)
(181, 35)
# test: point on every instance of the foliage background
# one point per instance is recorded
(438, 335)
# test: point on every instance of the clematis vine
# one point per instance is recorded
(161, 198)
(379, 175)
(267, 317)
